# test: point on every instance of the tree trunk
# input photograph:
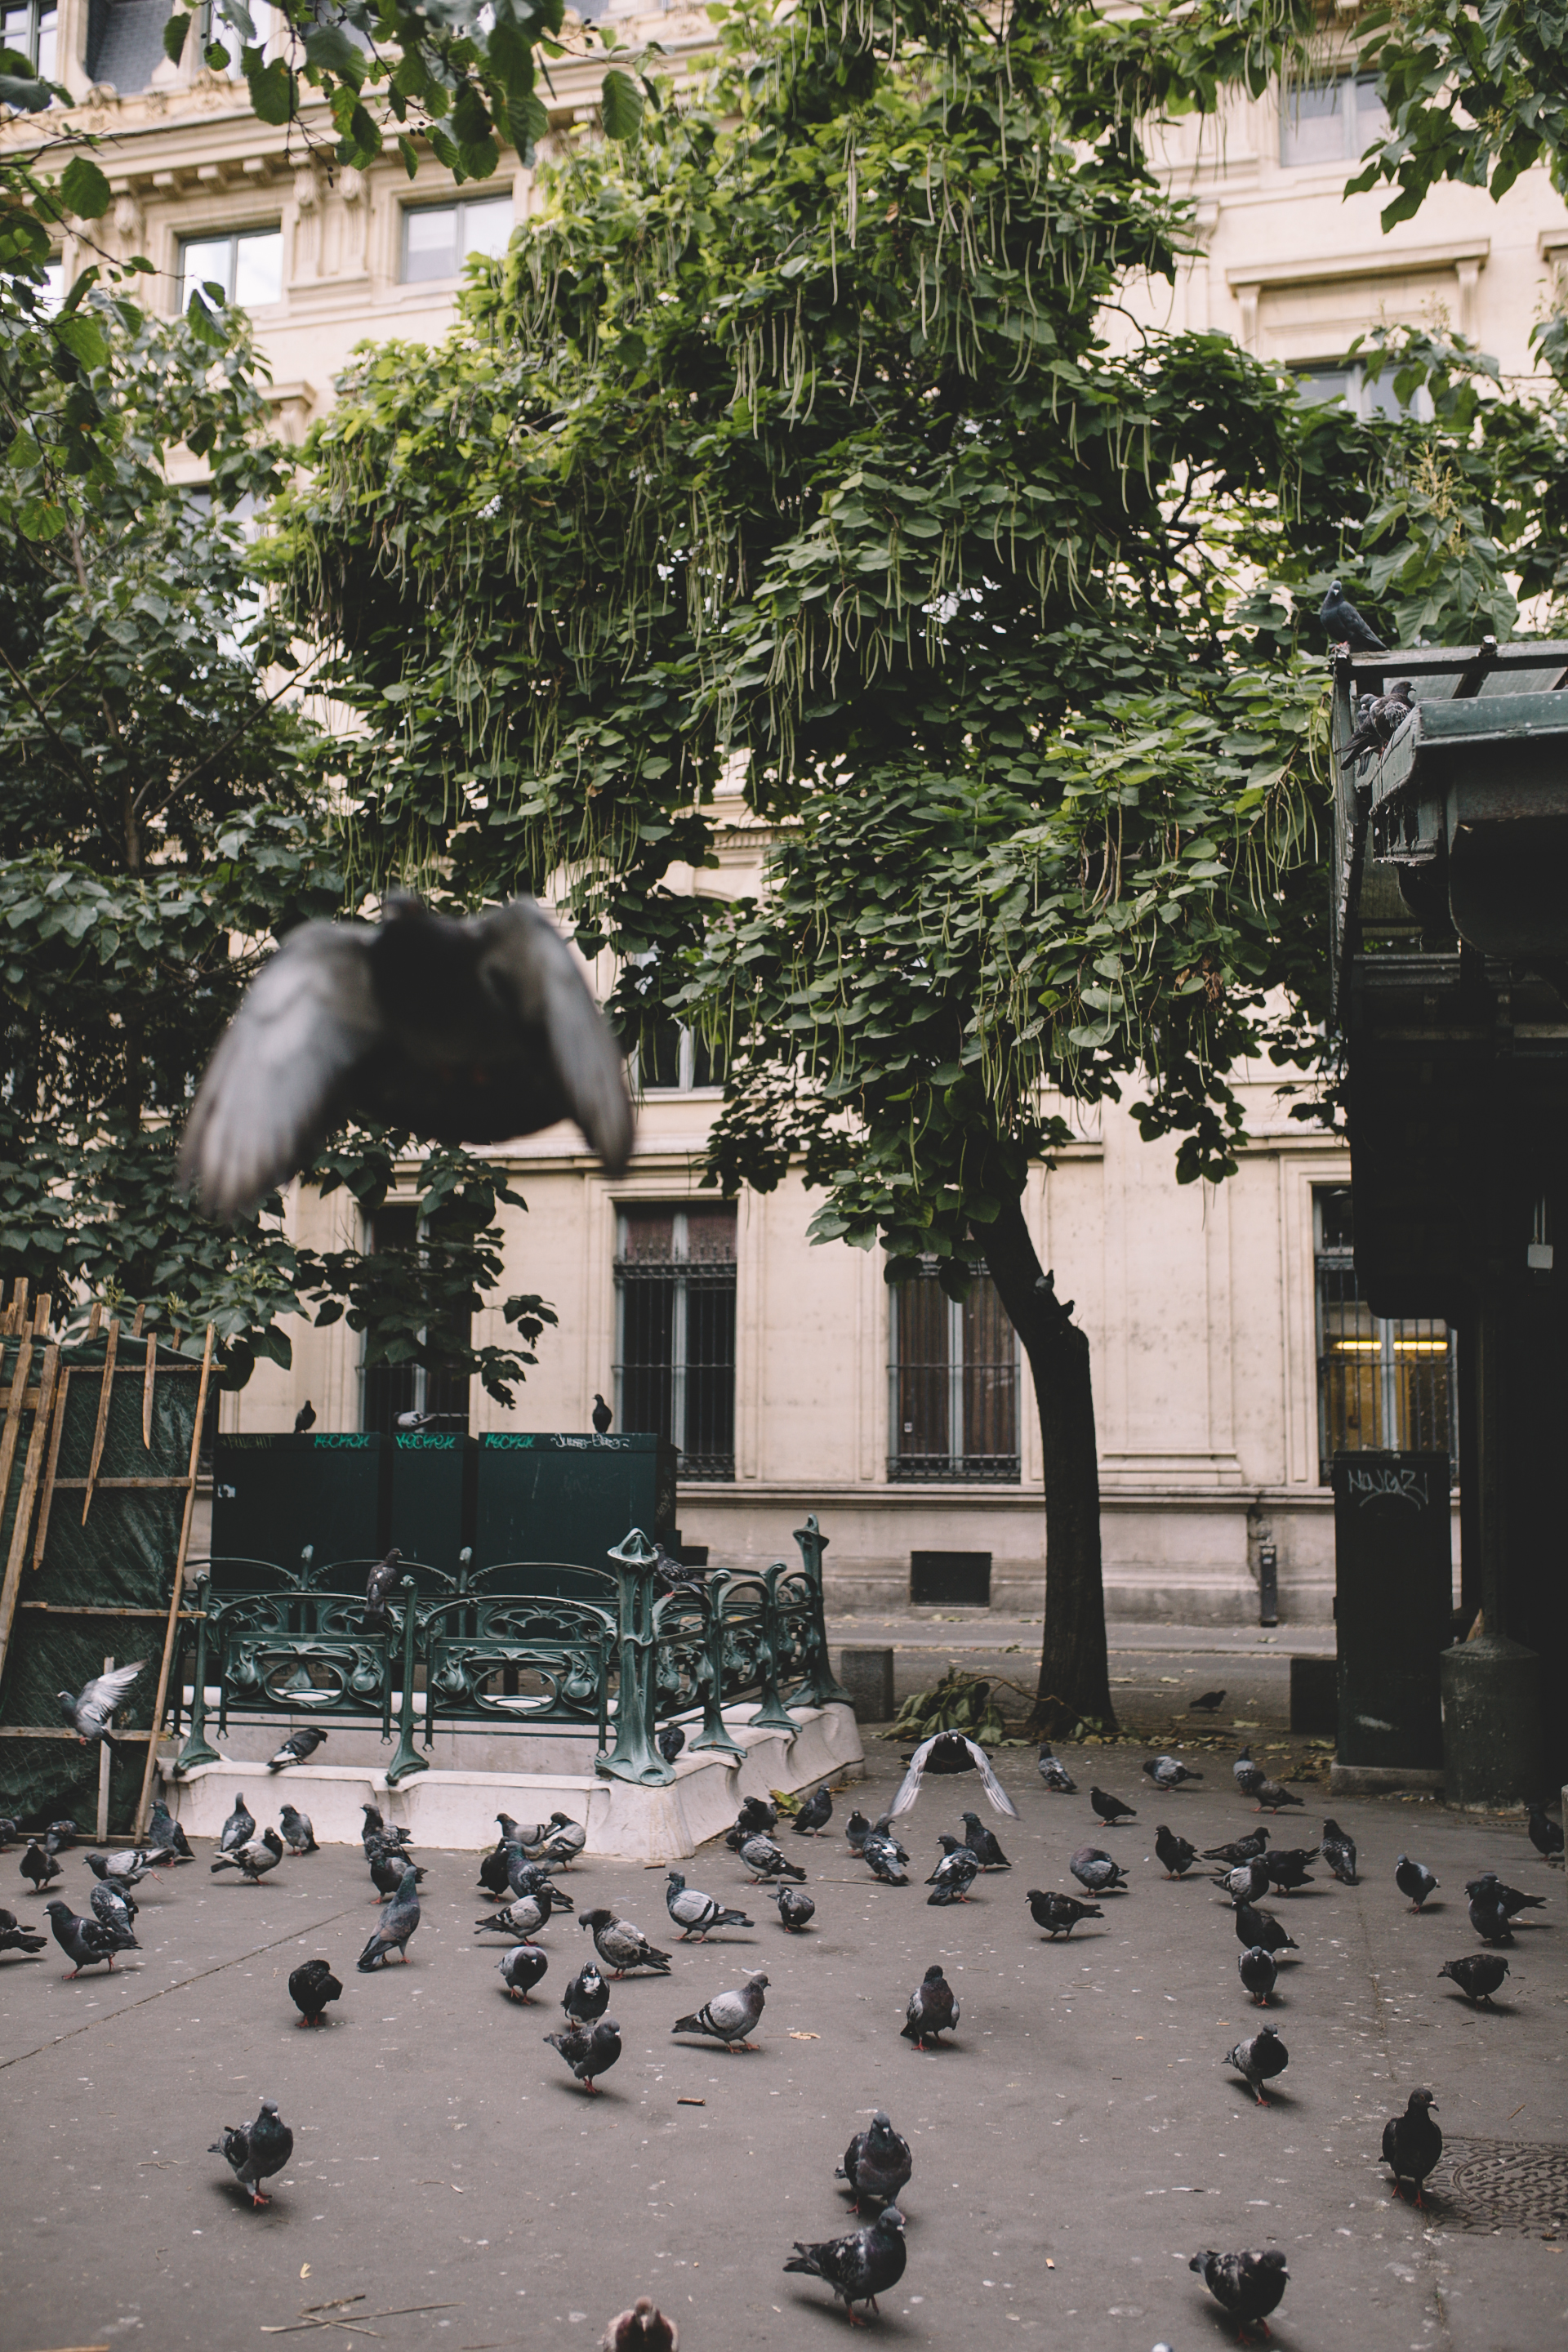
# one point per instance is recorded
(1075, 1672)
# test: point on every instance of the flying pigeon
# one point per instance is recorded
(643, 2328)
(1169, 1771)
(1378, 722)
(88, 1942)
(696, 1913)
(386, 1874)
(1339, 1852)
(1110, 1809)
(877, 2163)
(524, 1918)
(91, 1714)
(1414, 1880)
(860, 2267)
(953, 1876)
(1247, 1775)
(239, 1829)
(620, 1945)
(1412, 2143)
(729, 2017)
(38, 1867)
(1241, 1849)
(299, 1833)
(587, 1996)
(1259, 2060)
(951, 1751)
(394, 1927)
(932, 2010)
(1256, 1966)
(1489, 1889)
(1059, 1914)
(1477, 1975)
(380, 1585)
(254, 1858)
(1206, 1703)
(1095, 1871)
(15, 1938)
(795, 1906)
(1344, 623)
(1249, 2286)
(1254, 1927)
(254, 2152)
(885, 1858)
(464, 1032)
(765, 1860)
(311, 1987)
(1287, 1867)
(1177, 1853)
(164, 1834)
(1249, 1882)
(602, 1416)
(671, 1739)
(521, 1968)
(1544, 1834)
(815, 1815)
(1056, 1775)
(295, 1749)
(305, 1419)
(983, 1845)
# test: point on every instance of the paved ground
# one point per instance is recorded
(1074, 2146)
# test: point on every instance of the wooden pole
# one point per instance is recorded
(172, 1631)
(45, 1507)
(22, 1525)
(103, 1831)
(147, 1387)
(13, 1416)
(100, 1431)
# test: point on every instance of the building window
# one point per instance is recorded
(388, 1390)
(218, 33)
(29, 30)
(438, 239)
(1324, 382)
(953, 1379)
(674, 1345)
(1332, 121)
(673, 1059)
(247, 264)
(1384, 1382)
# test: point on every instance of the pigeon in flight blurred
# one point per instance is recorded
(254, 1858)
(1169, 1771)
(88, 1942)
(643, 2328)
(796, 1907)
(1339, 1852)
(1058, 1915)
(1177, 1853)
(1259, 2060)
(254, 2152)
(589, 2050)
(877, 2163)
(696, 1913)
(1254, 1927)
(311, 1987)
(1094, 1869)
(1414, 1880)
(396, 1926)
(15, 1938)
(983, 1845)
(305, 1419)
(1056, 1775)
(814, 1816)
(1544, 1834)
(1112, 1810)
(91, 1714)
(729, 2017)
(860, 2267)
(38, 1867)
(932, 2008)
(295, 1749)
(1247, 2286)
(1257, 1970)
(240, 1828)
(587, 1996)
(1412, 2143)
(765, 1860)
(1206, 1703)
(299, 1832)
(1344, 623)
(620, 1945)
(951, 1751)
(1477, 1975)
(671, 1740)
(469, 1032)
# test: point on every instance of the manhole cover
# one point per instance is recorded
(1501, 2184)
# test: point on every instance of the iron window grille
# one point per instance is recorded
(675, 1341)
(952, 1383)
(387, 1389)
(1384, 1382)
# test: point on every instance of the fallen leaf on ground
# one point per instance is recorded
(802, 2037)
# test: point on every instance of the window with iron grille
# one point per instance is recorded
(388, 1390)
(1383, 1380)
(952, 1379)
(675, 1347)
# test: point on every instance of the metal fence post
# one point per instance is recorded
(715, 1734)
(635, 1757)
(820, 1686)
(772, 1714)
(195, 1749)
(407, 1759)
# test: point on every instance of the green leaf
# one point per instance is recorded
(274, 90)
(406, 149)
(27, 95)
(620, 105)
(80, 333)
(84, 191)
(329, 49)
(175, 33)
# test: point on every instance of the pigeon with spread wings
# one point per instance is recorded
(91, 1712)
(468, 1032)
(951, 1751)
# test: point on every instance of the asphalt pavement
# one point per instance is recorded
(1077, 2141)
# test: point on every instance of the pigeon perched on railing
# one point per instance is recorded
(1414, 1881)
(1259, 2060)
(932, 2008)
(380, 1585)
(88, 1942)
(696, 1913)
(1412, 2143)
(1344, 623)
(587, 1996)
(90, 1712)
(522, 1969)
(295, 1749)
(254, 1858)
(1339, 1852)
(1478, 1974)
(1056, 1775)
(298, 1831)
(620, 1945)
(877, 2163)
(602, 1416)
(729, 2017)
(860, 2267)
(796, 1907)
(1058, 1915)
(469, 1032)
(1169, 1771)
(305, 1419)
(254, 2152)
(15, 1937)
(393, 1928)
(311, 1987)
(1247, 2286)
(951, 1752)
(1177, 1853)
(1259, 1971)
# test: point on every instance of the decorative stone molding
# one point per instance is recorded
(1467, 258)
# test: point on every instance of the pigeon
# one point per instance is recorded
(1544, 1834)
(1244, 1849)
(1412, 2143)
(1095, 1871)
(1477, 1975)
(380, 1585)
(305, 1418)
(860, 2267)
(953, 1876)
(932, 2010)
(1169, 1771)
(696, 1913)
(524, 1878)
(123, 1870)
(38, 1867)
(670, 1741)
(1177, 1853)
(523, 1918)
(495, 1877)
(1287, 1867)
(521, 1968)
(587, 1996)
(1058, 1915)
(1344, 623)
(756, 1817)
(1207, 1702)
(765, 1860)
(602, 1416)
(1489, 1889)
(15, 1938)
(254, 1859)
(254, 2152)
(375, 1831)
(91, 1714)
(563, 1842)
(394, 1927)
(9, 1832)
(620, 1945)
(295, 1749)
(311, 1987)
(115, 1912)
(815, 1815)
(951, 1752)
(464, 1032)
(1254, 1926)
(164, 1834)
(239, 1829)
(1110, 1809)
(1247, 2286)
(1246, 1774)
(877, 2163)
(1414, 1880)
(1339, 1852)
(729, 2017)
(643, 2328)
(885, 1859)
(983, 1845)
(1256, 1969)
(1249, 1882)
(1489, 1920)
(88, 1942)
(1056, 1775)
(387, 1874)
(1379, 720)
(856, 1830)
(299, 1834)
(796, 1907)
(59, 1835)
(1259, 2060)
(1272, 1797)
